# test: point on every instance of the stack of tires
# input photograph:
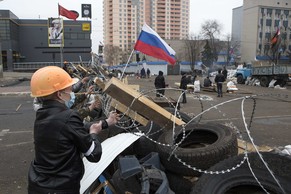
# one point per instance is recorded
(212, 147)
(204, 146)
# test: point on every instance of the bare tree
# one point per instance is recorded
(210, 30)
(112, 54)
(124, 56)
(229, 50)
(193, 46)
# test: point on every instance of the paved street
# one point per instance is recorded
(270, 124)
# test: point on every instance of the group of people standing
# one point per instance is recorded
(187, 79)
(144, 73)
(219, 79)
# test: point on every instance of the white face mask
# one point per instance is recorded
(70, 102)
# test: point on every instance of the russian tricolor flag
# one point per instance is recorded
(150, 43)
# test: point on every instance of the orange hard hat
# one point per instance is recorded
(48, 80)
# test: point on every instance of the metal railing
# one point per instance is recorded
(32, 66)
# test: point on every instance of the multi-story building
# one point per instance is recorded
(26, 41)
(260, 21)
(123, 20)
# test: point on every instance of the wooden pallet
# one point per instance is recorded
(145, 107)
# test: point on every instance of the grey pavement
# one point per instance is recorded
(15, 83)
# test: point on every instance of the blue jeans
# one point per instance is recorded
(219, 89)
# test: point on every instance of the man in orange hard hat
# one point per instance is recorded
(60, 138)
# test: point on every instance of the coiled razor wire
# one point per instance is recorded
(260, 155)
(106, 108)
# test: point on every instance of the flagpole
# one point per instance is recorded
(127, 63)
(61, 47)
(61, 53)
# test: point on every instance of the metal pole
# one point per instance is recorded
(61, 47)
(1, 63)
(126, 64)
(61, 54)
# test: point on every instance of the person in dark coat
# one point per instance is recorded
(183, 85)
(148, 72)
(219, 79)
(160, 84)
(60, 137)
(207, 82)
(142, 73)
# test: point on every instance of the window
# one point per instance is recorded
(276, 23)
(268, 22)
(81, 36)
(268, 35)
(74, 36)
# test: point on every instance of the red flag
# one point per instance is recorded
(275, 38)
(73, 15)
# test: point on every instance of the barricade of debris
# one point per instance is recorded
(192, 157)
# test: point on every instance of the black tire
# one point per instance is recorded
(180, 184)
(242, 181)
(206, 145)
(264, 81)
(240, 79)
(143, 146)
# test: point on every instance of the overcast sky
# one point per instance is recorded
(200, 11)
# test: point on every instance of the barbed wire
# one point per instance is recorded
(106, 107)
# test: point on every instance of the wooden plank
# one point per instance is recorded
(250, 147)
(139, 103)
(132, 114)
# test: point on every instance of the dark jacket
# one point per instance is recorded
(219, 78)
(77, 86)
(59, 139)
(224, 72)
(160, 81)
(184, 82)
(207, 82)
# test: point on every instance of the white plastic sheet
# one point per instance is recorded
(197, 86)
(111, 147)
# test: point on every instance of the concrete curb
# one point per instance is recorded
(15, 94)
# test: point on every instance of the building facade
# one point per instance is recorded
(26, 41)
(237, 18)
(260, 21)
(123, 20)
